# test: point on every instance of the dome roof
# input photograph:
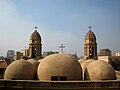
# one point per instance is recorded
(90, 35)
(34, 62)
(117, 75)
(20, 70)
(99, 70)
(35, 36)
(81, 60)
(39, 60)
(85, 64)
(59, 65)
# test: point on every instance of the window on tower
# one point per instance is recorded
(33, 41)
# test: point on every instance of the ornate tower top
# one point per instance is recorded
(90, 45)
(90, 34)
(35, 35)
(35, 46)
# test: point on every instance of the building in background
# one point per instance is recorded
(1, 58)
(25, 52)
(105, 52)
(48, 53)
(117, 53)
(3, 66)
(10, 55)
(18, 55)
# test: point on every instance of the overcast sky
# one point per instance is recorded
(59, 22)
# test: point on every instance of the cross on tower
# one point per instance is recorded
(35, 27)
(89, 27)
(62, 46)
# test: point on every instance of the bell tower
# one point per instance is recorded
(90, 45)
(35, 46)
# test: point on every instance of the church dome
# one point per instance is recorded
(59, 66)
(39, 60)
(20, 70)
(35, 36)
(85, 64)
(90, 35)
(81, 60)
(99, 70)
(34, 62)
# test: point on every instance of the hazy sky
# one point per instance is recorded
(60, 22)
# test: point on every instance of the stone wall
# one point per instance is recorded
(59, 85)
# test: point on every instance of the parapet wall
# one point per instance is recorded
(59, 85)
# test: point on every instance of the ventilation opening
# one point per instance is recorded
(63, 78)
(58, 78)
(54, 78)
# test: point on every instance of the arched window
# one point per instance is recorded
(91, 51)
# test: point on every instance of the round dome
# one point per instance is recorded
(34, 62)
(20, 70)
(117, 75)
(85, 64)
(39, 60)
(90, 35)
(99, 70)
(59, 67)
(35, 36)
(81, 60)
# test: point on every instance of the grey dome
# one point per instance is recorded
(117, 74)
(39, 60)
(20, 70)
(34, 62)
(59, 65)
(85, 64)
(81, 60)
(99, 70)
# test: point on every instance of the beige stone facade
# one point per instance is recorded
(109, 58)
(105, 52)
(117, 54)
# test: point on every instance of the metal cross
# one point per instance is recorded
(61, 46)
(35, 27)
(89, 27)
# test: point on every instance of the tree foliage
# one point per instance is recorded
(116, 65)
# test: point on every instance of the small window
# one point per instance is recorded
(54, 78)
(63, 78)
(90, 40)
(1, 72)
(33, 41)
